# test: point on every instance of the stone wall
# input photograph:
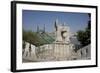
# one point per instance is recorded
(48, 52)
(85, 52)
(55, 52)
(28, 55)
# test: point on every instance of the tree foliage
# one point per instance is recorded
(85, 36)
(30, 37)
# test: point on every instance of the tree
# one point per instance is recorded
(85, 36)
(82, 36)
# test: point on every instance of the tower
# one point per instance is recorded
(62, 32)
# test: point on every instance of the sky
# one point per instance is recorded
(31, 19)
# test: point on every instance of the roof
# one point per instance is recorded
(43, 38)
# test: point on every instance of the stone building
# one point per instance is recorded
(59, 49)
(62, 45)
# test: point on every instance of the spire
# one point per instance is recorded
(44, 27)
(37, 28)
(33, 29)
(56, 23)
(64, 24)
